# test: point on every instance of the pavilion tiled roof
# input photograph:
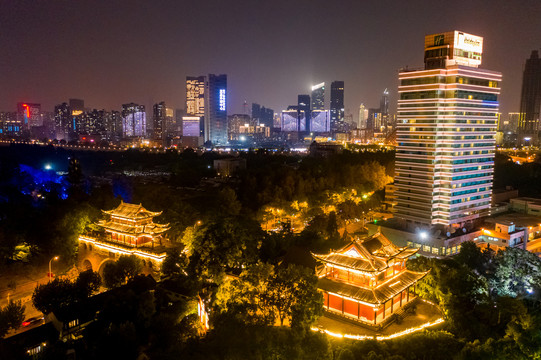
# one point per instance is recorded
(371, 254)
(377, 295)
(131, 211)
(148, 229)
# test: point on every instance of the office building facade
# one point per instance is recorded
(318, 97)
(134, 122)
(216, 110)
(263, 115)
(304, 113)
(530, 102)
(446, 126)
(337, 106)
(159, 121)
(28, 116)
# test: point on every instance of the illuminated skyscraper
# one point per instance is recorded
(318, 97)
(191, 126)
(384, 103)
(169, 122)
(134, 120)
(320, 121)
(62, 120)
(363, 117)
(28, 115)
(337, 106)
(530, 102)
(304, 113)
(216, 110)
(159, 121)
(195, 96)
(446, 126)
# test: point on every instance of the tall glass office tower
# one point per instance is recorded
(530, 102)
(318, 97)
(216, 110)
(446, 126)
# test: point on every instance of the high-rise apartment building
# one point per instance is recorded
(159, 114)
(446, 126)
(363, 117)
(318, 97)
(337, 106)
(169, 121)
(8, 122)
(216, 110)
(530, 102)
(134, 122)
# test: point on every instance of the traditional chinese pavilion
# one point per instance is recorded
(132, 225)
(367, 279)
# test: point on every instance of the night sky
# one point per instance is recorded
(115, 51)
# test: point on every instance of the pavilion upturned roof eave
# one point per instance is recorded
(374, 296)
(358, 264)
(131, 211)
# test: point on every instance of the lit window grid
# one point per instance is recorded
(424, 186)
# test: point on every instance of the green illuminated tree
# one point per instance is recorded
(225, 245)
(294, 296)
(174, 264)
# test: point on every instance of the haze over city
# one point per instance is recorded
(114, 52)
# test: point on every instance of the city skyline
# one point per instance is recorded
(101, 65)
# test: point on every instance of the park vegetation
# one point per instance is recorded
(261, 304)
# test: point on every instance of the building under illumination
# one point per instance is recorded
(337, 106)
(134, 122)
(367, 279)
(303, 107)
(318, 97)
(129, 229)
(216, 110)
(159, 114)
(320, 121)
(446, 126)
(363, 117)
(28, 116)
(530, 102)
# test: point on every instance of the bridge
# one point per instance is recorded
(95, 253)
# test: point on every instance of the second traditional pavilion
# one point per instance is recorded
(367, 279)
(132, 225)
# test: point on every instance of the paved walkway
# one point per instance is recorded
(425, 313)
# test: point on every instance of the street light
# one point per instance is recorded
(50, 273)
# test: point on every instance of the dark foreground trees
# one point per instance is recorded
(11, 317)
(61, 293)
